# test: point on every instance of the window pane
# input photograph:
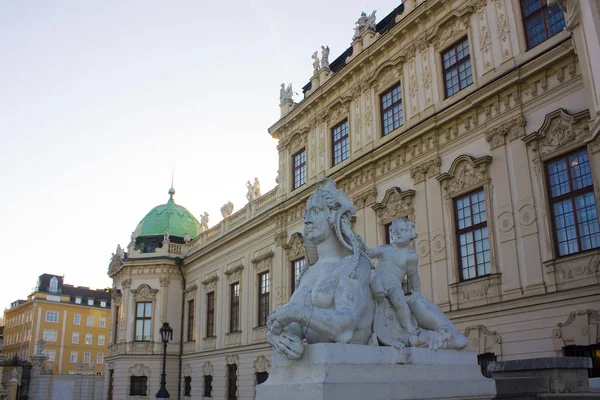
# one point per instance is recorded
(148, 311)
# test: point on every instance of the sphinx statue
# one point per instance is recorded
(340, 299)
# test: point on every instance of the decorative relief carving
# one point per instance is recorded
(164, 281)
(449, 30)
(210, 282)
(396, 203)
(208, 368)
(262, 364)
(259, 334)
(139, 370)
(582, 328)
(439, 244)
(187, 370)
(506, 222)
(423, 248)
(560, 129)
(503, 29)
(263, 262)
(465, 173)
(357, 123)
(294, 248)
(482, 340)
(209, 343)
(365, 198)
(234, 273)
(126, 283)
(526, 215)
(475, 292)
(514, 129)
(233, 339)
(144, 293)
(425, 170)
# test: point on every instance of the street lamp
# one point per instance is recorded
(166, 334)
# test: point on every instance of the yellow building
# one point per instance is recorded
(72, 321)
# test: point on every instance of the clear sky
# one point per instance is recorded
(100, 99)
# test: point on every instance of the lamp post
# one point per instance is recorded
(166, 334)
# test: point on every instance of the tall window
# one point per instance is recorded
(116, 326)
(191, 311)
(100, 340)
(100, 358)
(102, 322)
(53, 285)
(50, 335)
(143, 320)
(340, 146)
(210, 314)
(75, 338)
(299, 168)
(264, 288)
(474, 247)
(207, 385)
(88, 338)
(51, 354)
(573, 204)
(187, 388)
(391, 109)
(234, 307)
(87, 357)
(51, 316)
(76, 319)
(231, 381)
(138, 385)
(541, 22)
(89, 321)
(73, 357)
(457, 67)
(297, 266)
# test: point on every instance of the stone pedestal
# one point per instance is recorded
(331, 371)
(540, 378)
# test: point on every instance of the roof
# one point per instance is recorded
(381, 27)
(171, 217)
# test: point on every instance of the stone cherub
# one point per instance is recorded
(324, 57)
(395, 262)
(420, 323)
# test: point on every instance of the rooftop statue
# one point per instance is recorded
(316, 62)
(253, 190)
(204, 222)
(337, 299)
(363, 24)
(285, 93)
(324, 57)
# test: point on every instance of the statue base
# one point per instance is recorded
(332, 371)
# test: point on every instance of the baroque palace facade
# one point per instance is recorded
(478, 120)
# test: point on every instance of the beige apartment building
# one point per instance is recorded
(477, 119)
(73, 322)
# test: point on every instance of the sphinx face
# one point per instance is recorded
(316, 221)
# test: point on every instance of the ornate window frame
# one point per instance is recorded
(395, 204)
(337, 113)
(294, 249)
(210, 284)
(139, 370)
(234, 275)
(144, 293)
(261, 364)
(560, 133)
(581, 328)
(207, 370)
(482, 340)
(262, 263)
(232, 359)
(465, 175)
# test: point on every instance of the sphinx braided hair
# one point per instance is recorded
(343, 208)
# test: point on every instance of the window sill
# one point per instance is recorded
(575, 270)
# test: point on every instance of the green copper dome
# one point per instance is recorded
(168, 217)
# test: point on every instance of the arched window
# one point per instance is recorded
(53, 285)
